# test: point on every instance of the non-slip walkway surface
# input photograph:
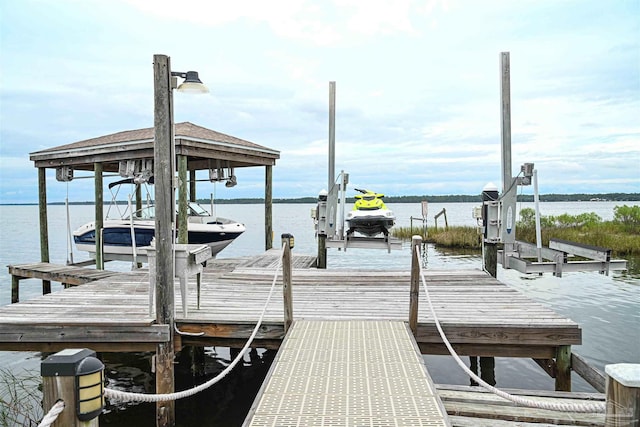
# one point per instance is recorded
(348, 373)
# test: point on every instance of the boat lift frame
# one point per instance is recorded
(329, 218)
(499, 224)
(329, 223)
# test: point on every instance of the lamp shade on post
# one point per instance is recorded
(75, 376)
(89, 388)
(191, 84)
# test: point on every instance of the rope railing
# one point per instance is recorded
(52, 415)
(142, 397)
(552, 406)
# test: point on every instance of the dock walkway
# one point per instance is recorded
(348, 373)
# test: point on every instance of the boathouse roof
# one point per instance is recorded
(199, 144)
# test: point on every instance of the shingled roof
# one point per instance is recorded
(199, 144)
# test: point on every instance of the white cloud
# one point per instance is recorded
(417, 86)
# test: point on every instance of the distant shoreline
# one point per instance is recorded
(582, 197)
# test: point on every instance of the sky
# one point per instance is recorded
(417, 89)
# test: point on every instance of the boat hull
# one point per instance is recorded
(370, 223)
(117, 241)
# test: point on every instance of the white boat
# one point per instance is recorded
(117, 234)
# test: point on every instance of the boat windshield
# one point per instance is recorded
(197, 210)
(150, 211)
(145, 213)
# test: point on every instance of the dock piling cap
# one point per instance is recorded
(627, 374)
(490, 187)
(64, 363)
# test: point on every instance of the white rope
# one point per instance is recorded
(141, 397)
(552, 406)
(52, 415)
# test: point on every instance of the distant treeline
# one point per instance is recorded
(459, 198)
(451, 198)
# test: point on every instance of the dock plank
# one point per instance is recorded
(474, 406)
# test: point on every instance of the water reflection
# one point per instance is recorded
(223, 404)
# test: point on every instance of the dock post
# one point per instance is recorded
(268, 207)
(99, 214)
(183, 236)
(15, 289)
(163, 172)
(623, 395)
(44, 229)
(286, 281)
(491, 259)
(414, 293)
(76, 377)
(322, 251)
(563, 368)
(192, 186)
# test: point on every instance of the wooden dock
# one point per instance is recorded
(475, 407)
(348, 373)
(65, 274)
(480, 315)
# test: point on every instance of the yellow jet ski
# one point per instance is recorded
(370, 215)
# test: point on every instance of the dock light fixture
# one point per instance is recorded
(232, 181)
(288, 237)
(88, 379)
(191, 84)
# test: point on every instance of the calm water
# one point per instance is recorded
(607, 308)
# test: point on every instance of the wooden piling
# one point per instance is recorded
(322, 251)
(163, 172)
(487, 364)
(44, 229)
(623, 395)
(414, 293)
(15, 289)
(491, 259)
(286, 286)
(268, 207)
(97, 168)
(192, 186)
(63, 388)
(563, 368)
(183, 236)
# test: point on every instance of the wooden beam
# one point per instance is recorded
(192, 185)
(109, 333)
(44, 229)
(563, 368)
(268, 207)
(515, 335)
(99, 214)
(548, 365)
(106, 347)
(590, 374)
(239, 331)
